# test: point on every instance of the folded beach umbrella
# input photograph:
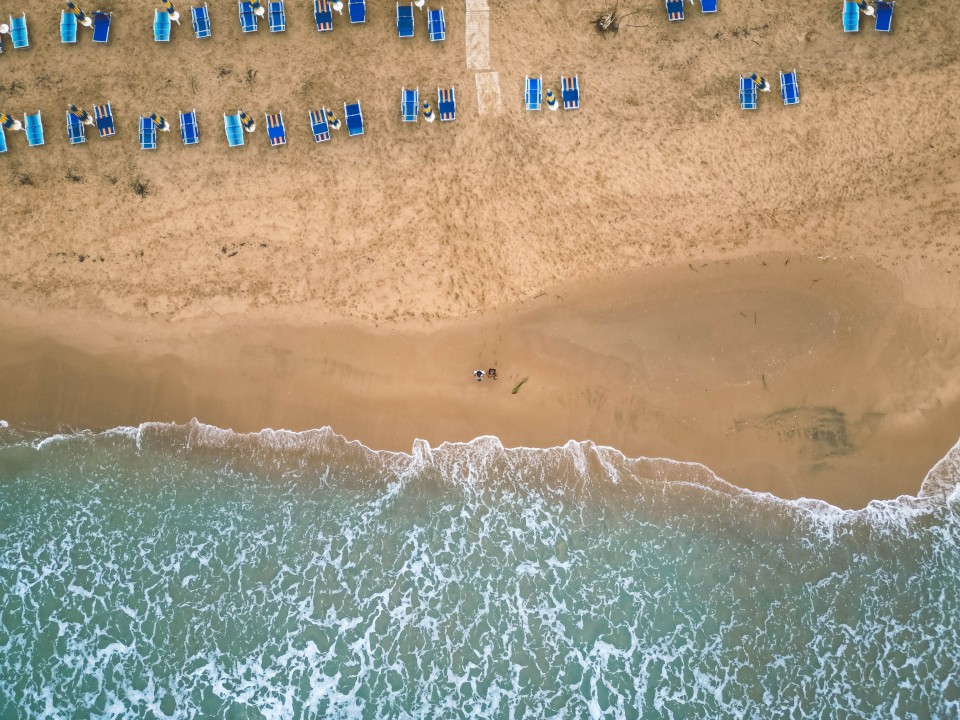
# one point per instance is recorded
(160, 122)
(428, 114)
(763, 85)
(331, 118)
(174, 15)
(249, 124)
(552, 100)
(9, 123)
(81, 114)
(82, 17)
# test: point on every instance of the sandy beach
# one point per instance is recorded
(773, 294)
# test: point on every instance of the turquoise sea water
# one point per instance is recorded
(188, 572)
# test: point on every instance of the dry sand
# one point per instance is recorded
(358, 283)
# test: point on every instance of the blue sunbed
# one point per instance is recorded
(447, 104)
(276, 130)
(75, 132)
(323, 14)
(570, 91)
(405, 20)
(234, 129)
(161, 26)
(358, 11)
(436, 25)
(278, 20)
(18, 32)
(748, 93)
(33, 124)
(148, 133)
(354, 118)
(189, 130)
(101, 27)
(675, 10)
(533, 92)
(68, 27)
(789, 90)
(201, 21)
(248, 19)
(319, 125)
(410, 104)
(851, 16)
(104, 115)
(3, 141)
(884, 15)
(708, 6)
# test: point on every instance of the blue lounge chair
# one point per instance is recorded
(3, 141)
(884, 15)
(104, 116)
(851, 16)
(447, 104)
(748, 93)
(323, 14)
(276, 130)
(75, 131)
(234, 129)
(675, 10)
(148, 133)
(101, 27)
(278, 19)
(358, 11)
(405, 20)
(33, 124)
(248, 19)
(319, 125)
(533, 92)
(410, 104)
(708, 6)
(18, 32)
(68, 27)
(201, 21)
(189, 130)
(436, 25)
(570, 91)
(789, 90)
(354, 118)
(161, 26)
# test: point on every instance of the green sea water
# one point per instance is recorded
(188, 572)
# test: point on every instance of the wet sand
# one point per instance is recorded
(783, 373)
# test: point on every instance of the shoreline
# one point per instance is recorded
(667, 362)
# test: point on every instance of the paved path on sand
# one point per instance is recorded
(478, 57)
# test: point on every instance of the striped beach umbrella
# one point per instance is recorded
(762, 84)
(160, 122)
(174, 15)
(257, 8)
(81, 16)
(249, 124)
(552, 100)
(428, 112)
(332, 120)
(81, 114)
(8, 123)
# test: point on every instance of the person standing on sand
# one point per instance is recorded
(478, 374)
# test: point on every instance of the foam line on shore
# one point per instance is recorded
(940, 485)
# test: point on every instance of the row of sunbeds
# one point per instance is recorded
(321, 122)
(249, 22)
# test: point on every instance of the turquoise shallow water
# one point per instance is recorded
(187, 572)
